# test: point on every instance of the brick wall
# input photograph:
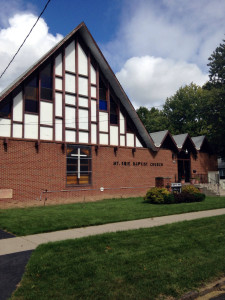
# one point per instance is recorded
(123, 173)
(203, 164)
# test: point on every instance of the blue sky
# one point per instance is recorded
(153, 46)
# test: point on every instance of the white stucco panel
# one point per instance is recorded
(83, 102)
(70, 83)
(58, 84)
(18, 108)
(104, 138)
(93, 92)
(70, 119)
(17, 130)
(46, 113)
(70, 57)
(83, 61)
(130, 140)
(83, 137)
(122, 123)
(83, 119)
(83, 86)
(114, 135)
(93, 75)
(70, 136)
(70, 99)
(93, 111)
(103, 121)
(31, 126)
(138, 143)
(93, 133)
(122, 140)
(46, 133)
(58, 130)
(5, 127)
(58, 104)
(58, 65)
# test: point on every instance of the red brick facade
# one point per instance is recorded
(204, 163)
(29, 171)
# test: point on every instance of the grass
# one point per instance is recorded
(25, 221)
(155, 263)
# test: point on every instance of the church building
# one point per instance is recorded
(69, 133)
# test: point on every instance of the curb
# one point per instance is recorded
(219, 286)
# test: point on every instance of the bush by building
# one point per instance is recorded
(163, 196)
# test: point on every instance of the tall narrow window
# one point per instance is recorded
(5, 108)
(78, 165)
(31, 96)
(102, 95)
(46, 82)
(130, 127)
(113, 112)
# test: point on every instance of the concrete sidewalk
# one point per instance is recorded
(30, 242)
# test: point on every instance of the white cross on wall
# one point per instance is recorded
(79, 157)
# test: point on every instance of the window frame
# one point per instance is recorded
(42, 80)
(6, 102)
(28, 99)
(102, 101)
(78, 164)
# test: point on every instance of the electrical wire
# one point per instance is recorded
(25, 39)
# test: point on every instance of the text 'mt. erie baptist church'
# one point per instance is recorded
(68, 132)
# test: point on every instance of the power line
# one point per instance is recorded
(25, 39)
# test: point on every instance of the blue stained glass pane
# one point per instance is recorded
(102, 105)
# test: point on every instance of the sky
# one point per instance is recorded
(153, 46)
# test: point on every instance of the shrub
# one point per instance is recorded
(156, 195)
(190, 189)
(169, 199)
(162, 196)
(199, 197)
(185, 197)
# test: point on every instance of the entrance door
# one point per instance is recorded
(184, 166)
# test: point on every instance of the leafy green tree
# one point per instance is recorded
(153, 119)
(217, 66)
(214, 114)
(184, 111)
(215, 105)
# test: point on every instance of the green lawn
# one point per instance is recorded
(26, 221)
(155, 263)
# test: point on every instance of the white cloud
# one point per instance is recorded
(176, 29)
(163, 44)
(149, 80)
(37, 44)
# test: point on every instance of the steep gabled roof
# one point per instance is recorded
(163, 138)
(184, 141)
(158, 137)
(202, 144)
(106, 70)
(180, 139)
(198, 141)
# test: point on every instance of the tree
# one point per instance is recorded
(153, 119)
(184, 111)
(215, 106)
(214, 114)
(217, 66)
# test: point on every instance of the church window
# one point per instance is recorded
(102, 96)
(46, 82)
(5, 108)
(78, 165)
(113, 112)
(31, 95)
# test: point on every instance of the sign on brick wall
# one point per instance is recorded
(6, 193)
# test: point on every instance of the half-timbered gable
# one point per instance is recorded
(68, 132)
(67, 97)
